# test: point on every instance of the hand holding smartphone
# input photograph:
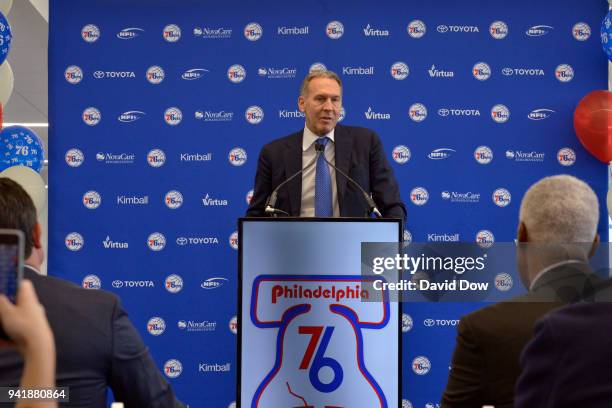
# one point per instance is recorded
(11, 265)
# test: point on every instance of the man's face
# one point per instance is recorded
(321, 105)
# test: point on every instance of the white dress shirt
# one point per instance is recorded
(309, 175)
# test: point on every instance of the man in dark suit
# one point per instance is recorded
(557, 213)
(97, 345)
(568, 362)
(319, 190)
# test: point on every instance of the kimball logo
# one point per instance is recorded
(540, 114)
(358, 70)
(207, 201)
(214, 368)
(210, 116)
(441, 154)
(197, 157)
(368, 31)
(438, 73)
(292, 30)
(212, 33)
(110, 244)
(442, 237)
(371, 115)
(521, 156)
(457, 197)
(290, 114)
(132, 200)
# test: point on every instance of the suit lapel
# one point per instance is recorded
(293, 164)
(343, 150)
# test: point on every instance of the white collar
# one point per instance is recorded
(310, 138)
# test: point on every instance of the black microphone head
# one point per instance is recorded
(319, 147)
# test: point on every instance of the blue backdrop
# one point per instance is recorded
(158, 110)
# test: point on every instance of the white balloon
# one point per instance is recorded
(7, 81)
(5, 6)
(31, 182)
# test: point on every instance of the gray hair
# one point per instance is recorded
(560, 209)
(318, 74)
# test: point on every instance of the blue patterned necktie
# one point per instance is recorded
(323, 188)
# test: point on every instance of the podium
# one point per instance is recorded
(309, 332)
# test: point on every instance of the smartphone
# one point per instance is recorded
(11, 264)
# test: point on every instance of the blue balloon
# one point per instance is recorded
(606, 34)
(20, 146)
(5, 38)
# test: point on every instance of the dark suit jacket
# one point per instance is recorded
(485, 363)
(358, 152)
(97, 347)
(568, 362)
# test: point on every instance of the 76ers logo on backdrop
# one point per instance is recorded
(401, 154)
(92, 200)
(74, 241)
(481, 71)
(156, 326)
(417, 112)
(155, 74)
(173, 116)
(421, 365)
(254, 115)
(416, 29)
(564, 73)
(173, 368)
(236, 73)
(173, 199)
(581, 31)
(156, 158)
(237, 156)
(334, 30)
(498, 30)
(500, 113)
(171, 33)
(73, 74)
(501, 197)
(485, 239)
(233, 240)
(483, 154)
(156, 241)
(174, 283)
(253, 32)
(399, 70)
(91, 282)
(90, 33)
(566, 156)
(92, 116)
(419, 196)
(74, 157)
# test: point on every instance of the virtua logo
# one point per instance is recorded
(436, 73)
(443, 237)
(368, 31)
(371, 115)
(358, 70)
(292, 30)
(213, 202)
(129, 33)
(540, 114)
(109, 244)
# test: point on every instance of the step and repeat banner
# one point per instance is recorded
(158, 111)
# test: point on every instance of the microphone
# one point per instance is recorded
(271, 201)
(371, 204)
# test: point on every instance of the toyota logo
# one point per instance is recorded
(507, 71)
(181, 241)
(117, 284)
(98, 74)
(442, 28)
(443, 112)
(429, 322)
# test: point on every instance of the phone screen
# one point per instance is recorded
(11, 262)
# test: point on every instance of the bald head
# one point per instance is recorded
(560, 209)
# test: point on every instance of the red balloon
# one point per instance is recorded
(593, 124)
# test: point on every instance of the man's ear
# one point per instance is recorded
(301, 103)
(36, 235)
(521, 234)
